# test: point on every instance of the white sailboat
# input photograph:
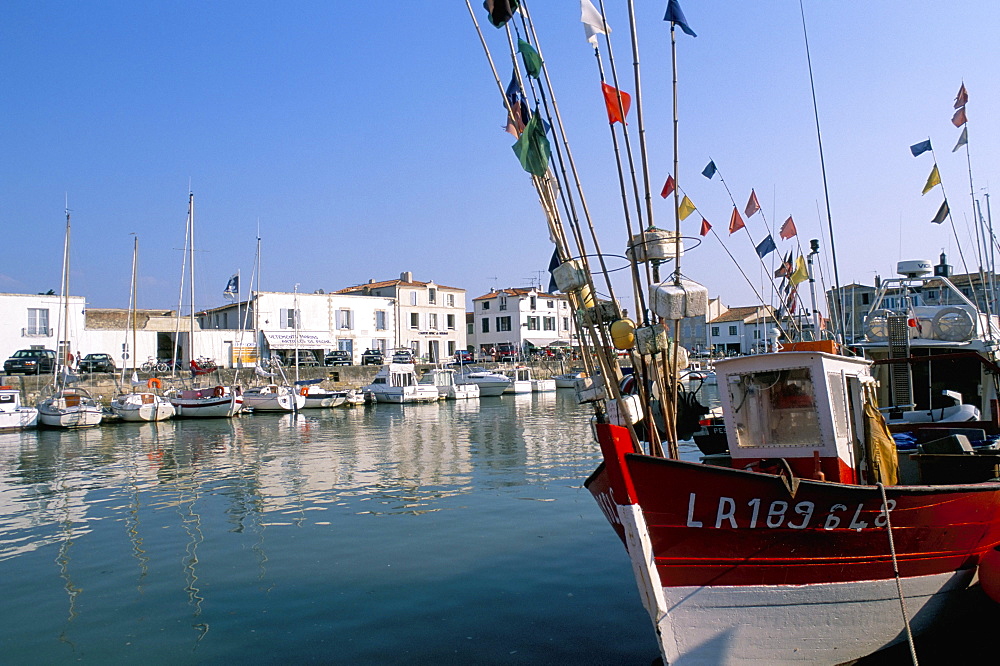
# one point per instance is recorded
(206, 401)
(139, 405)
(14, 415)
(67, 407)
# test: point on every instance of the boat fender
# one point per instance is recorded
(154, 381)
(989, 574)
(219, 391)
(623, 334)
(304, 390)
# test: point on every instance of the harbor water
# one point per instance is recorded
(445, 533)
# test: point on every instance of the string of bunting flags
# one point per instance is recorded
(959, 119)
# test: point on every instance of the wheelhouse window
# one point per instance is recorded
(775, 409)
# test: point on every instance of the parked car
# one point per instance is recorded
(338, 357)
(402, 356)
(305, 358)
(30, 362)
(373, 357)
(97, 363)
(506, 351)
(463, 357)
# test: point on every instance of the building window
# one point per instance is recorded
(565, 323)
(345, 319)
(532, 323)
(756, 334)
(715, 331)
(449, 300)
(432, 321)
(432, 296)
(451, 348)
(470, 329)
(451, 322)
(414, 320)
(38, 321)
(503, 302)
(380, 320)
(290, 318)
(732, 330)
(486, 325)
(866, 298)
(486, 305)
(503, 324)
(533, 302)
(548, 323)
(413, 298)
(550, 304)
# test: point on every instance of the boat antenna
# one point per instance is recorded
(826, 189)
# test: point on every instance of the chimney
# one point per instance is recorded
(406, 276)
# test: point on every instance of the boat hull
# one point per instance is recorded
(142, 407)
(218, 402)
(23, 417)
(732, 563)
(71, 417)
(270, 402)
(322, 399)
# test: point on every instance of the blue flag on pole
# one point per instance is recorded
(676, 15)
(921, 147)
(766, 246)
(554, 263)
(232, 287)
(709, 170)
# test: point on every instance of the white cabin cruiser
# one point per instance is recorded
(444, 380)
(397, 383)
(491, 384)
(13, 414)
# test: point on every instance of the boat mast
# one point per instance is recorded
(191, 355)
(131, 309)
(64, 351)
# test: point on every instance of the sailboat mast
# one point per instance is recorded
(191, 355)
(65, 351)
(133, 301)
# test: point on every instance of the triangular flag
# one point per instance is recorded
(709, 170)
(932, 180)
(962, 140)
(532, 147)
(668, 187)
(615, 115)
(518, 114)
(766, 246)
(788, 229)
(593, 22)
(532, 61)
(786, 266)
(801, 272)
(554, 263)
(919, 148)
(500, 11)
(676, 15)
(686, 208)
(135, 378)
(735, 222)
(752, 205)
(942, 213)
(962, 98)
(705, 227)
(959, 118)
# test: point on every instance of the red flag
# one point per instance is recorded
(735, 222)
(959, 118)
(668, 187)
(962, 98)
(752, 205)
(705, 227)
(611, 101)
(788, 229)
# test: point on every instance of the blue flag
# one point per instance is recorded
(921, 147)
(766, 246)
(232, 289)
(710, 170)
(676, 15)
(554, 263)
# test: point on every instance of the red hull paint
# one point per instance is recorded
(713, 526)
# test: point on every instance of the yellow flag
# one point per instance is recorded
(932, 180)
(687, 207)
(801, 273)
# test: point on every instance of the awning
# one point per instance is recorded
(300, 340)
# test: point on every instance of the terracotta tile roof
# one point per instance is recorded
(518, 291)
(392, 283)
(743, 313)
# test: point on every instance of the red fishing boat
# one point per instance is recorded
(799, 544)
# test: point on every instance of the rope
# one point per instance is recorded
(899, 582)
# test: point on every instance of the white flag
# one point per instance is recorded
(593, 22)
(135, 378)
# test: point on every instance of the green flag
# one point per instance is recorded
(532, 147)
(532, 61)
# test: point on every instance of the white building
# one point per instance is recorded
(431, 316)
(525, 317)
(35, 321)
(741, 330)
(317, 322)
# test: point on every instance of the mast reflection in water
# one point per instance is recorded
(453, 532)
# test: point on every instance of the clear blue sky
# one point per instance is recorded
(366, 138)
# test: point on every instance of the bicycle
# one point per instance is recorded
(152, 364)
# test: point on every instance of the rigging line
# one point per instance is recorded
(822, 160)
(636, 282)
